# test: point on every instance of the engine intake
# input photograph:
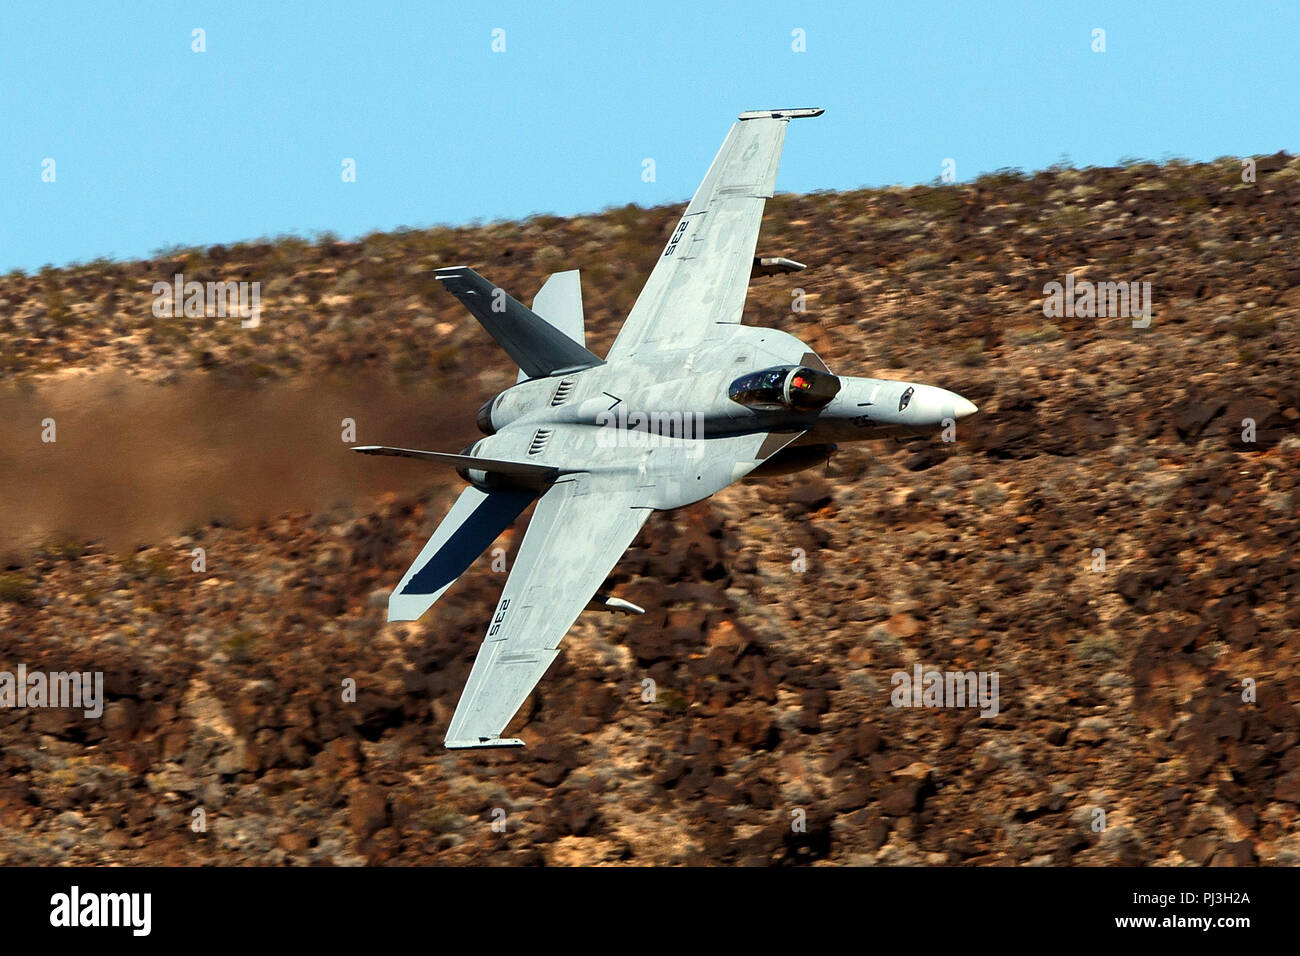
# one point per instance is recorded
(484, 418)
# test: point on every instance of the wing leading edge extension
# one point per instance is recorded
(579, 529)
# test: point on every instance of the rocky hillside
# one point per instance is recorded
(770, 737)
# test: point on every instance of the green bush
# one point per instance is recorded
(15, 587)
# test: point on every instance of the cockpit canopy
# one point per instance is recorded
(785, 387)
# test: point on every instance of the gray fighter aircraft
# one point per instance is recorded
(687, 401)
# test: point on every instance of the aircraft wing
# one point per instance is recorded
(580, 528)
(703, 275)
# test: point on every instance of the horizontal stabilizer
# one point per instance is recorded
(497, 466)
(537, 346)
(473, 523)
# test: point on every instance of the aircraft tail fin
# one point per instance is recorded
(472, 524)
(559, 302)
(538, 346)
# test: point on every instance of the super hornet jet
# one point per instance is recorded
(687, 401)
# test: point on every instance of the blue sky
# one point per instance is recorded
(156, 145)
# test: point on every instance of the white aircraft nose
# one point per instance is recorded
(963, 407)
(935, 404)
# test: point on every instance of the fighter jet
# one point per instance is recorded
(687, 401)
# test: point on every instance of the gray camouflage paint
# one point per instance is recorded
(674, 359)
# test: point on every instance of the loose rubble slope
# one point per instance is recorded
(1121, 689)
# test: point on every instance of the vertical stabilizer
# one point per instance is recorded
(559, 302)
(533, 342)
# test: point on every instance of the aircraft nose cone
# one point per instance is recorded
(963, 407)
(935, 404)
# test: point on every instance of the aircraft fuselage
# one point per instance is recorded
(664, 400)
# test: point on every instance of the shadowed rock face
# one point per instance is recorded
(778, 614)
